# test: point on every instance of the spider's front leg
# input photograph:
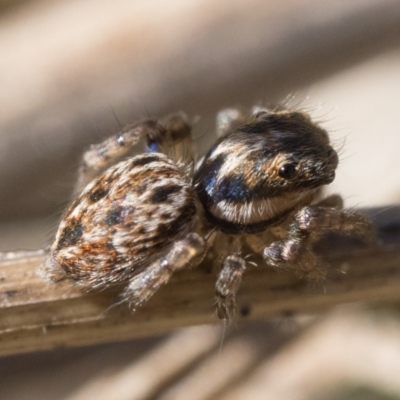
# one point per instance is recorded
(311, 222)
(143, 286)
(170, 135)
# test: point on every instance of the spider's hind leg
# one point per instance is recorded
(143, 286)
(174, 140)
(104, 154)
(170, 135)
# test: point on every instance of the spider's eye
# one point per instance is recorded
(287, 171)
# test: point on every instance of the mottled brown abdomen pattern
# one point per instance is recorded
(123, 220)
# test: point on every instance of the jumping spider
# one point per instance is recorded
(141, 219)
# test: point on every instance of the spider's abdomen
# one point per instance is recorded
(123, 220)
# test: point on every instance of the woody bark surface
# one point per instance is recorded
(37, 315)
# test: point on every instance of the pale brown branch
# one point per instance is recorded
(39, 315)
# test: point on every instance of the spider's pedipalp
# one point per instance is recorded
(309, 224)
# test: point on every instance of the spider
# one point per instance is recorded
(137, 221)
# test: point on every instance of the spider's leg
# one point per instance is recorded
(175, 140)
(102, 155)
(310, 224)
(227, 119)
(227, 285)
(142, 286)
(169, 135)
(333, 200)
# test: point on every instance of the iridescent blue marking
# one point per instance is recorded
(210, 184)
(152, 147)
(234, 188)
(231, 188)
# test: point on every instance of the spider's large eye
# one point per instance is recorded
(287, 171)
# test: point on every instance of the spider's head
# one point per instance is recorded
(261, 170)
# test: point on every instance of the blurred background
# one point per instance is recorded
(72, 72)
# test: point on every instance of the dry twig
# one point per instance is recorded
(38, 315)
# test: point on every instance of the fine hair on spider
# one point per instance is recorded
(135, 222)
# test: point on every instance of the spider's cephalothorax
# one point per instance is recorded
(257, 173)
(136, 221)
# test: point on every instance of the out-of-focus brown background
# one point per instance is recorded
(71, 72)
